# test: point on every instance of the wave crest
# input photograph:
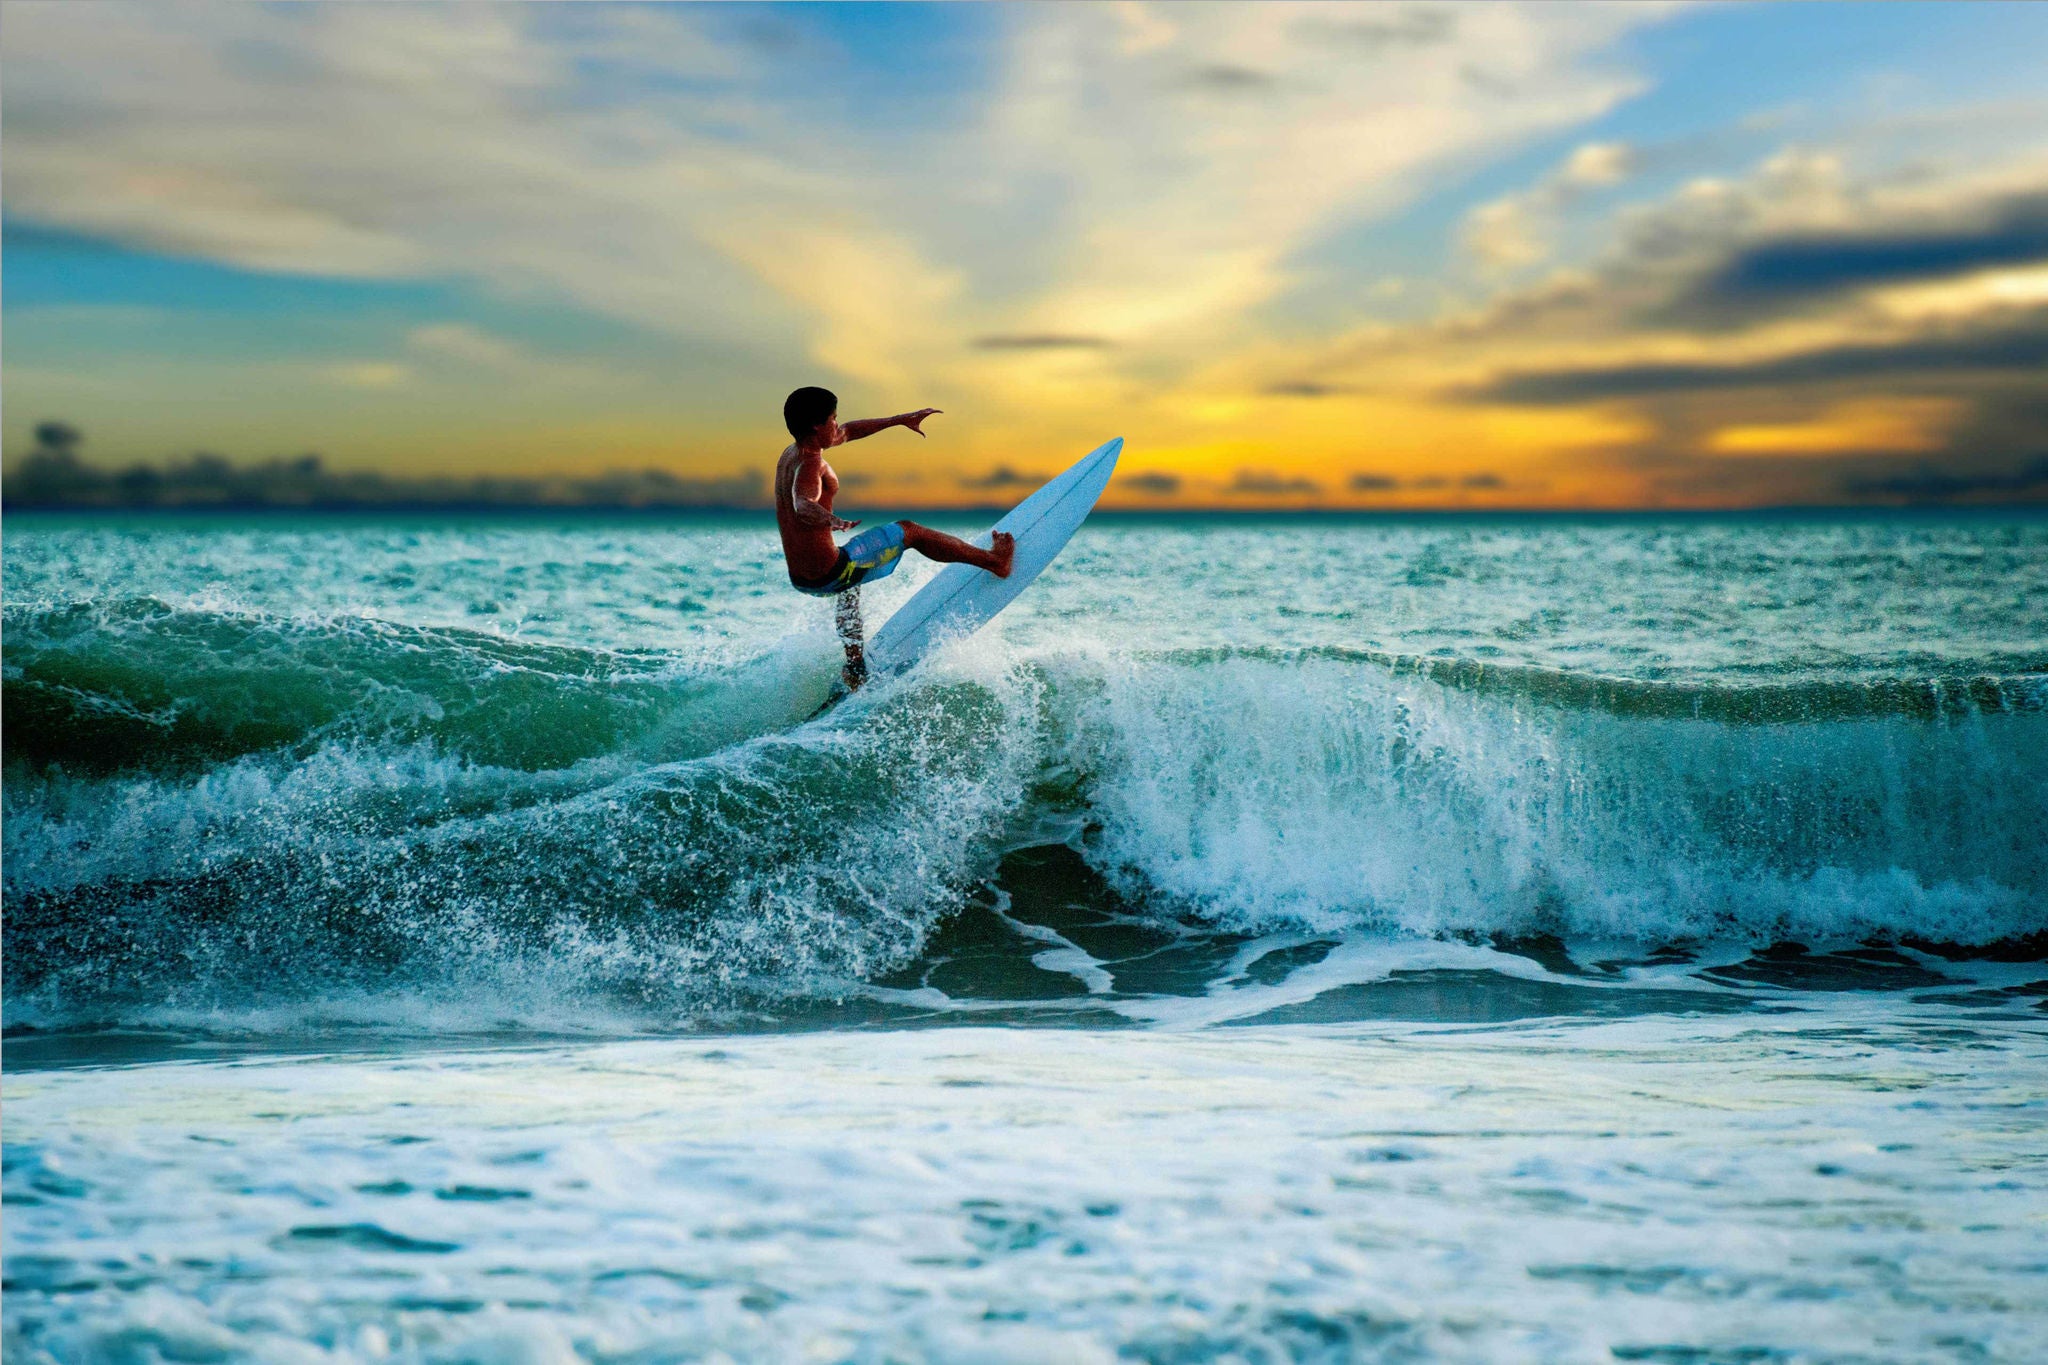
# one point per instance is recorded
(212, 810)
(1335, 792)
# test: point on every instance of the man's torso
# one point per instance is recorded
(809, 549)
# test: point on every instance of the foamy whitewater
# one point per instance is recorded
(438, 939)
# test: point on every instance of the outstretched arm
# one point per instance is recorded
(811, 493)
(868, 426)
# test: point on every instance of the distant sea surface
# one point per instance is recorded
(1313, 938)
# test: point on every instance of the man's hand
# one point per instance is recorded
(865, 427)
(842, 524)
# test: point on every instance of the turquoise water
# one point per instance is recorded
(1544, 938)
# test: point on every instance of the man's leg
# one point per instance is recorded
(953, 550)
(846, 615)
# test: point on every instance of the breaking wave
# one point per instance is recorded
(213, 811)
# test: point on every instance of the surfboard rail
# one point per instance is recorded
(961, 598)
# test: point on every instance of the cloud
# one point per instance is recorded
(1145, 27)
(470, 345)
(1514, 231)
(1504, 235)
(647, 165)
(52, 476)
(1597, 165)
(461, 347)
(458, 348)
(1179, 217)
(406, 142)
(1790, 270)
(1992, 449)
(2019, 350)
(1925, 484)
(1225, 79)
(1482, 481)
(1373, 483)
(1853, 426)
(1802, 233)
(1410, 27)
(1154, 483)
(1698, 359)
(1039, 341)
(875, 304)
(1266, 483)
(1075, 230)
(366, 374)
(1002, 476)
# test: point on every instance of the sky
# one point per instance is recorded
(1298, 255)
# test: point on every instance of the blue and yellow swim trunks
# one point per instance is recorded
(871, 554)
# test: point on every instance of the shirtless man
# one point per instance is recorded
(804, 488)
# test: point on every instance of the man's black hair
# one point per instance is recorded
(803, 410)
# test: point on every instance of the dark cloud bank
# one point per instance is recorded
(1265, 483)
(53, 476)
(1159, 484)
(1387, 483)
(2020, 351)
(1990, 364)
(1763, 278)
(1722, 270)
(1002, 476)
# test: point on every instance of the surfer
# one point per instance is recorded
(804, 488)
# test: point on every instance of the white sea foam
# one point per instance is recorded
(1336, 794)
(379, 812)
(1325, 795)
(1837, 1183)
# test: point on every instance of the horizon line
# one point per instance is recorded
(752, 510)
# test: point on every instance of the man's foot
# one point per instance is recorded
(953, 550)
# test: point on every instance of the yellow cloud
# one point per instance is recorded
(875, 302)
(1090, 246)
(366, 374)
(1503, 237)
(2025, 288)
(1899, 426)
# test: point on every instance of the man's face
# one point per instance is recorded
(831, 433)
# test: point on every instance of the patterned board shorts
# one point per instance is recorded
(870, 555)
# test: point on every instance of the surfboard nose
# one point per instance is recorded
(960, 597)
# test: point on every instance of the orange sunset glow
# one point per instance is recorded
(1300, 256)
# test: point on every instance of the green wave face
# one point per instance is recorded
(135, 685)
(209, 810)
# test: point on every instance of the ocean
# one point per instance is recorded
(1298, 938)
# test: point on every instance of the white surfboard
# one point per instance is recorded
(961, 598)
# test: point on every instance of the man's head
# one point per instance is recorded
(808, 409)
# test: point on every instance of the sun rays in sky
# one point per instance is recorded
(1298, 255)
